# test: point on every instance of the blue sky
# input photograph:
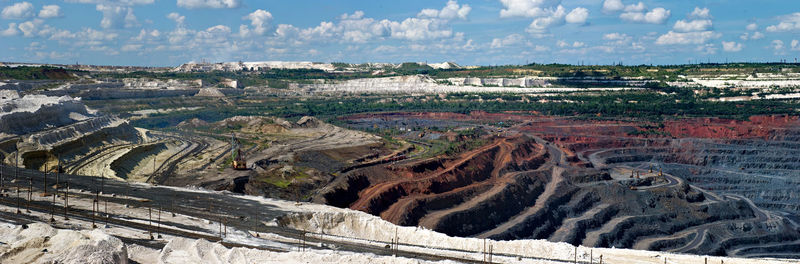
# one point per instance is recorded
(469, 32)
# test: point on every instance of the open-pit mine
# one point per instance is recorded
(401, 162)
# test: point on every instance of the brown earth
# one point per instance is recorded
(564, 179)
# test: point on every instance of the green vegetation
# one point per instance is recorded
(34, 73)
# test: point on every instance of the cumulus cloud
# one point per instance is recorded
(777, 46)
(30, 28)
(113, 2)
(450, 11)
(656, 16)
(356, 28)
(510, 40)
(693, 25)
(789, 22)
(209, 3)
(131, 47)
(578, 16)
(752, 27)
(638, 7)
(706, 49)
(527, 8)
(539, 27)
(636, 13)
(795, 45)
(178, 18)
(610, 6)
(10, 31)
(50, 11)
(117, 16)
(700, 13)
(260, 20)
(564, 44)
(672, 37)
(546, 14)
(732, 46)
(616, 36)
(19, 10)
(754, 36)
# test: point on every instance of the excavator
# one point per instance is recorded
(236, 154)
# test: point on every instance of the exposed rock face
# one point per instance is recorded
(580, 191)
(40, 243)
(8, 94)
(260, 65)
(210, 92)
(425, 84)
(37, 112)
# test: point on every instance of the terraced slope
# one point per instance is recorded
(603, 184)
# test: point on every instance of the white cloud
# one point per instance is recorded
(209, 3)
(638, 7)
(260, 20)
(754, 36)
(113, 2)
(656, 16)
(731, 46)
(30, 28)
(777, 46)
(510, 40)
(578, 16)
(10, 31)
(450, 11)
(795, 46)
(692, 26)
(752, 27)
(610, 6)
(50, 11)
(528, 8)
(178, 18)
(355, 28)
(700, 13)
(116, 16)
(672, 38)
(540, 25)
(420, 29)
(564, 44)
(615, 36)
(145, 34)
(19, 10)
(789, 22)
(131, 47)
(707, 49)
(546, 14)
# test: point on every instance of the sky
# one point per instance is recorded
(468, 32)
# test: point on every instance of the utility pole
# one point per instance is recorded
(576, 255)
(66, 199)
(30, 194)
(53, 205)
(16, 174)
(58, 171)
(44, 175)
(158, 228)
(484, 251)
(150, 222)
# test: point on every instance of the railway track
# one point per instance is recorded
(119, 219)
(169, 165)
(77, 165)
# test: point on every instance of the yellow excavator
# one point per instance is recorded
(236, 154)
